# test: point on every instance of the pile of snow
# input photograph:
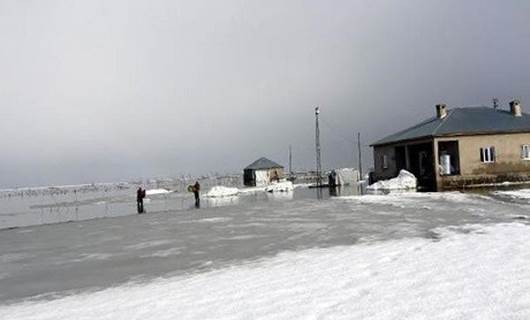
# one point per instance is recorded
(220, 191)
(285, 186)
(480, 272)
(156, 191)
(302, 185)
(251, 190)
(346, 176)
(404, 181)
(281, 186)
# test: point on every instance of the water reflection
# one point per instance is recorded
(17, 211)
(222, 202)
(289, 195)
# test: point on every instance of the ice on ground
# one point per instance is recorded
(516, 194)
(302, 185)
(284, 186)
(215, 219)
(156, 191)
(253, 190)
(417, 200)
(93, 256)
(222, 201)
(258, 228)
(404, 181)
(148, 244)
(220, 191)
(470, 272)
(280, 195)
(164, 253)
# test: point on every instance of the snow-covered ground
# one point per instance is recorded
(152, 192)
(285, 186)
(398, 256)
(516, 194)
(221, 191)
(472, 272)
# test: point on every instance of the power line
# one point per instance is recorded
(335, 131)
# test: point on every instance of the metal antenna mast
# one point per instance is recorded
(360, 155)
(290, 160)
(317, 147)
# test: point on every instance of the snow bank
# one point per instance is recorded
(475, 272)
(253, 190)
(404, 181)
(222, 201)
(220, 191)
(515, 194)
(156, 191)
(285, 186)
(419, 200)
(347, 176)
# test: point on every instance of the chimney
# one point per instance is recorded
(441, 111)
(515, 108)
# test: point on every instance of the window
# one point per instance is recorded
(525, 152)
(385, 161)
(487, 154)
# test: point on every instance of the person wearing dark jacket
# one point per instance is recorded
(196, 189)
(140, 195)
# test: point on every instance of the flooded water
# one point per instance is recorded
(46, 261)
(21, 209)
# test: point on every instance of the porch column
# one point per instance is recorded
(407, 159)
(437, 179)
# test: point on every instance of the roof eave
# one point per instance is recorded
(453, 134)
(377, 144)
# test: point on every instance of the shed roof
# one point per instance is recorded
(263, 163)
(463, 121)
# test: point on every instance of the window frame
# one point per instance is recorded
(384, 162)
(488, 155)
(525, 152)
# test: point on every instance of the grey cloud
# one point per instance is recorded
(106, 90)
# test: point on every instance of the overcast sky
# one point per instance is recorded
(115, 90)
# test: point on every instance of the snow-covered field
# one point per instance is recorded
(397, 256)
(472, 272)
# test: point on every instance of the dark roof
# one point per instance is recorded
(463, 121)
(263, 163)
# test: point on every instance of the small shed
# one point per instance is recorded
(262, 172)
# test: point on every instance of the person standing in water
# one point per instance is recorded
(140, 195)
(196, 189)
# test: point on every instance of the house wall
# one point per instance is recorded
(250, 176)
(381, 173)
(390, 151)
(508, 164)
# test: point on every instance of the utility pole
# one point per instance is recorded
(360, 155)
(317, 147)
(290, 161)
